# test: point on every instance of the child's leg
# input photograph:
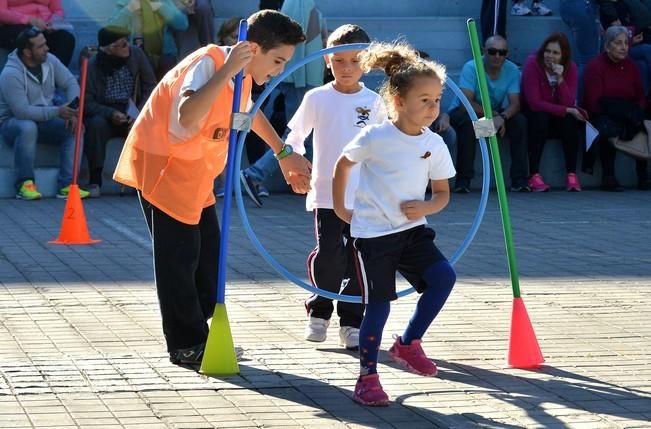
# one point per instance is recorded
(176, 256)
(370, 336)
(440, 278)
(206, 274)
(423, 265)
(350, 314)
(327, 263)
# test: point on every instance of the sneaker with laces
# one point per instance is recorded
(412, 357)
(94, 191)
(461, 186)
(520, 9)
(520, 188)
(63, 193)
(27, 191)
(537, 184)
(262, 191)
(349, 337)
(572, 183)
(369, 391)
(190, 356)
(316, 330)
(251, 188)
(538, 8)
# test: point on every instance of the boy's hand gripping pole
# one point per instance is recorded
(219, 357)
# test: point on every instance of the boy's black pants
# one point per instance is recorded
(328, 265)
(185, 268)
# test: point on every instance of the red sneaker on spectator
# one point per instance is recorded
(572, 183)
(537, 184)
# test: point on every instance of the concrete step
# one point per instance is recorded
(381, 8)
(523, 41)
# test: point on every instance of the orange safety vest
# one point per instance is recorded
(178, 177)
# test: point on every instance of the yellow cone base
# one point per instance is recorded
(219, 357)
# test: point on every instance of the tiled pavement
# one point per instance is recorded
(81, 344)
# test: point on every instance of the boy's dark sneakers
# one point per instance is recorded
(461, 186)
(520, 186)
(610, 184)
(190, 356)
(251, 188)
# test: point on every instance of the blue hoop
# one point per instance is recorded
(245, 219)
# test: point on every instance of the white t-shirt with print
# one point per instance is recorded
(394, 168)
(335, 118)
(197, 76)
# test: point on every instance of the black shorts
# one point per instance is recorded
(409, 252)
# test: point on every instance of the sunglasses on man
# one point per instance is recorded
(122, 43)
(500, 52)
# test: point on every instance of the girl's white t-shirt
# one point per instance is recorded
(394, 168)
(335, 119)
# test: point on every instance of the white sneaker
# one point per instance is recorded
(520, 9)
(349, 337)
(316, 330)
(538, 8)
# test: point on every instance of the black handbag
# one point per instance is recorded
(627, 117)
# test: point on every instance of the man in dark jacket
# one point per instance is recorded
(120, 79)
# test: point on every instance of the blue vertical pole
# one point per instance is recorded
(228, 188)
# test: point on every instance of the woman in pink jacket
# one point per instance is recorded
(549, 85)
(46, 15)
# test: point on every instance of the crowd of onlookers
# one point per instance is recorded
(553, 94)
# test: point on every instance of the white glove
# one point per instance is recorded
(134, 6)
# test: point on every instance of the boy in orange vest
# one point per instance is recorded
(174, 151)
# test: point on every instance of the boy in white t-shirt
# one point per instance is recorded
(335, 113)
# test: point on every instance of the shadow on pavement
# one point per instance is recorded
(335, 403)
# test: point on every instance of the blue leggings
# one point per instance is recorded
(440, 279)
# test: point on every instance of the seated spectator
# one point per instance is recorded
(293, 88)
(519, 8)
(549, 84)
(615, 101)
(503, 80)
(635, 15)
(151, 24)
(200, 19)
(117, 76)
(493, 15)
(46, 15)
(28, 114)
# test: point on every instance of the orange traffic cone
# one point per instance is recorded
(524, 351)
(73, 225)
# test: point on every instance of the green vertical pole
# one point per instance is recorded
(495, 156)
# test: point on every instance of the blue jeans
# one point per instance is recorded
(267, 164)
(641, 53)
(25, 134)
(582, 18)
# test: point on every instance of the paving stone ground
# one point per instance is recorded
(81, 343)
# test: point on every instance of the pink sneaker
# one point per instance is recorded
(412, 357)
(572, 183)
(537, 185)
(368, 391)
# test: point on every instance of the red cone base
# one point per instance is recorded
(73, 225)
(524, 351)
